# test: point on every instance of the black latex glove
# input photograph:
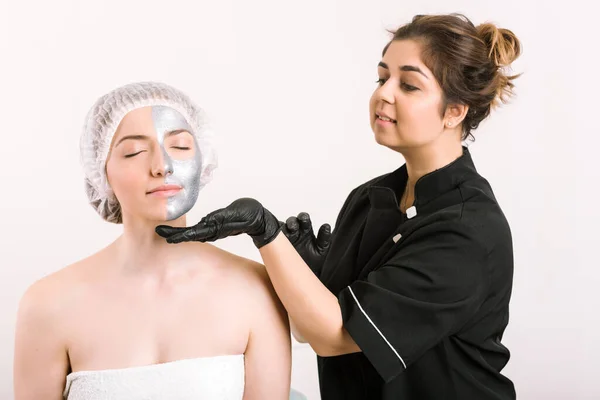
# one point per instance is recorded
(244, 215)
(312, 249)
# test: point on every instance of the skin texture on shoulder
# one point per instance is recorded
(40, 342)
(268, 354)
(43, 330)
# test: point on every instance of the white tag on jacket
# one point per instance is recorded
(411, 212)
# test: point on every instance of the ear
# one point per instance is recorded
(455, 114)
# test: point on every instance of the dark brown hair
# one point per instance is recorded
(468, 61)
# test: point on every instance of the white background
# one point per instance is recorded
(287, 86)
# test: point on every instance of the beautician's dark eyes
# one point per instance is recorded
(409, 88)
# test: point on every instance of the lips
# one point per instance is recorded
(165, 188)
(384, 117)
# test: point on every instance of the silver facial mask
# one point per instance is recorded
(185, 173)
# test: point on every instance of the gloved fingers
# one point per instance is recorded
(232, 228)
(305, 222)
(166, 230)
(291, 229)
(198, 233)
(292, 224)
(324, 236)
(212, 216)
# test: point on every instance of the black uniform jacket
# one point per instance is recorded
(425, 294)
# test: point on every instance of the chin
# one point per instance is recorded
(384, 138)
(379, 140)
(160, 218)
(173, 218)
(177, 210)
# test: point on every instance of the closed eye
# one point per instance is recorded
(134, 154)
(180, 148)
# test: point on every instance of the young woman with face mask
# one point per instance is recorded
(141, 319)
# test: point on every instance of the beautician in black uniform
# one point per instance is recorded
(409, 297)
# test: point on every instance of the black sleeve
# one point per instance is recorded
(434, 283)
(347, 202)
(345, 207)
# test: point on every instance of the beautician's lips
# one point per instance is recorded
(382, 117)
(165, 190)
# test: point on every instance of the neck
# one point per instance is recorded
(139, 248)
(424, 160)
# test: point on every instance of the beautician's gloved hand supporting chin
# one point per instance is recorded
(244, 215)
(313, 250)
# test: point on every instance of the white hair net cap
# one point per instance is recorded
(102, 121)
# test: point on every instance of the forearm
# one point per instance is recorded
(311, 306)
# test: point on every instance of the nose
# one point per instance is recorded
(386, 92)
(162, 165)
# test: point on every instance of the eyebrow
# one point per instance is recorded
(144, 137)
(176, 132)
(132, 137)
(408, 68)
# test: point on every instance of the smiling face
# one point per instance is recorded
(405, 109)
(154, 164)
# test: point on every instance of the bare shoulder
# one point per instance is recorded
(48, 296)
(41, 347)
(241, 268)
(248, 276)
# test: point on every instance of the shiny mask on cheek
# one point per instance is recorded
(185, 173)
